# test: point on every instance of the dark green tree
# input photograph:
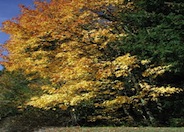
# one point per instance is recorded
(155, 32)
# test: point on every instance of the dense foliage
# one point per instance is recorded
(100, 61)
(155, 33)
(14, 92)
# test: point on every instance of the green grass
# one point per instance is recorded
(112, 129)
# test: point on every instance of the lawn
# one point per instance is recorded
(112, 129)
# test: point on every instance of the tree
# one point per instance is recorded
(155, 33)
(70, 43)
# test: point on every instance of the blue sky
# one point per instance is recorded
(8, 10)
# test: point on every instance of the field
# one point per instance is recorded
(112, 129)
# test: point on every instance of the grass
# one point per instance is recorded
(112, 129)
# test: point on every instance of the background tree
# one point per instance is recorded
(155, 33)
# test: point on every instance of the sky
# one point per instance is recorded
(8, 10)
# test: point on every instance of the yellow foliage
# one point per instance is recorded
(104, 70)
(154, 92)
(77, 99)
(118, 101)
(155, 71)
(145, 62)
(124, 64)
(48, 89)
(65, 42)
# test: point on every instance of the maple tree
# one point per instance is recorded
(70, 44)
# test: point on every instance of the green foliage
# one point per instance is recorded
(154, 35)
(173, 109)
(14, 92)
